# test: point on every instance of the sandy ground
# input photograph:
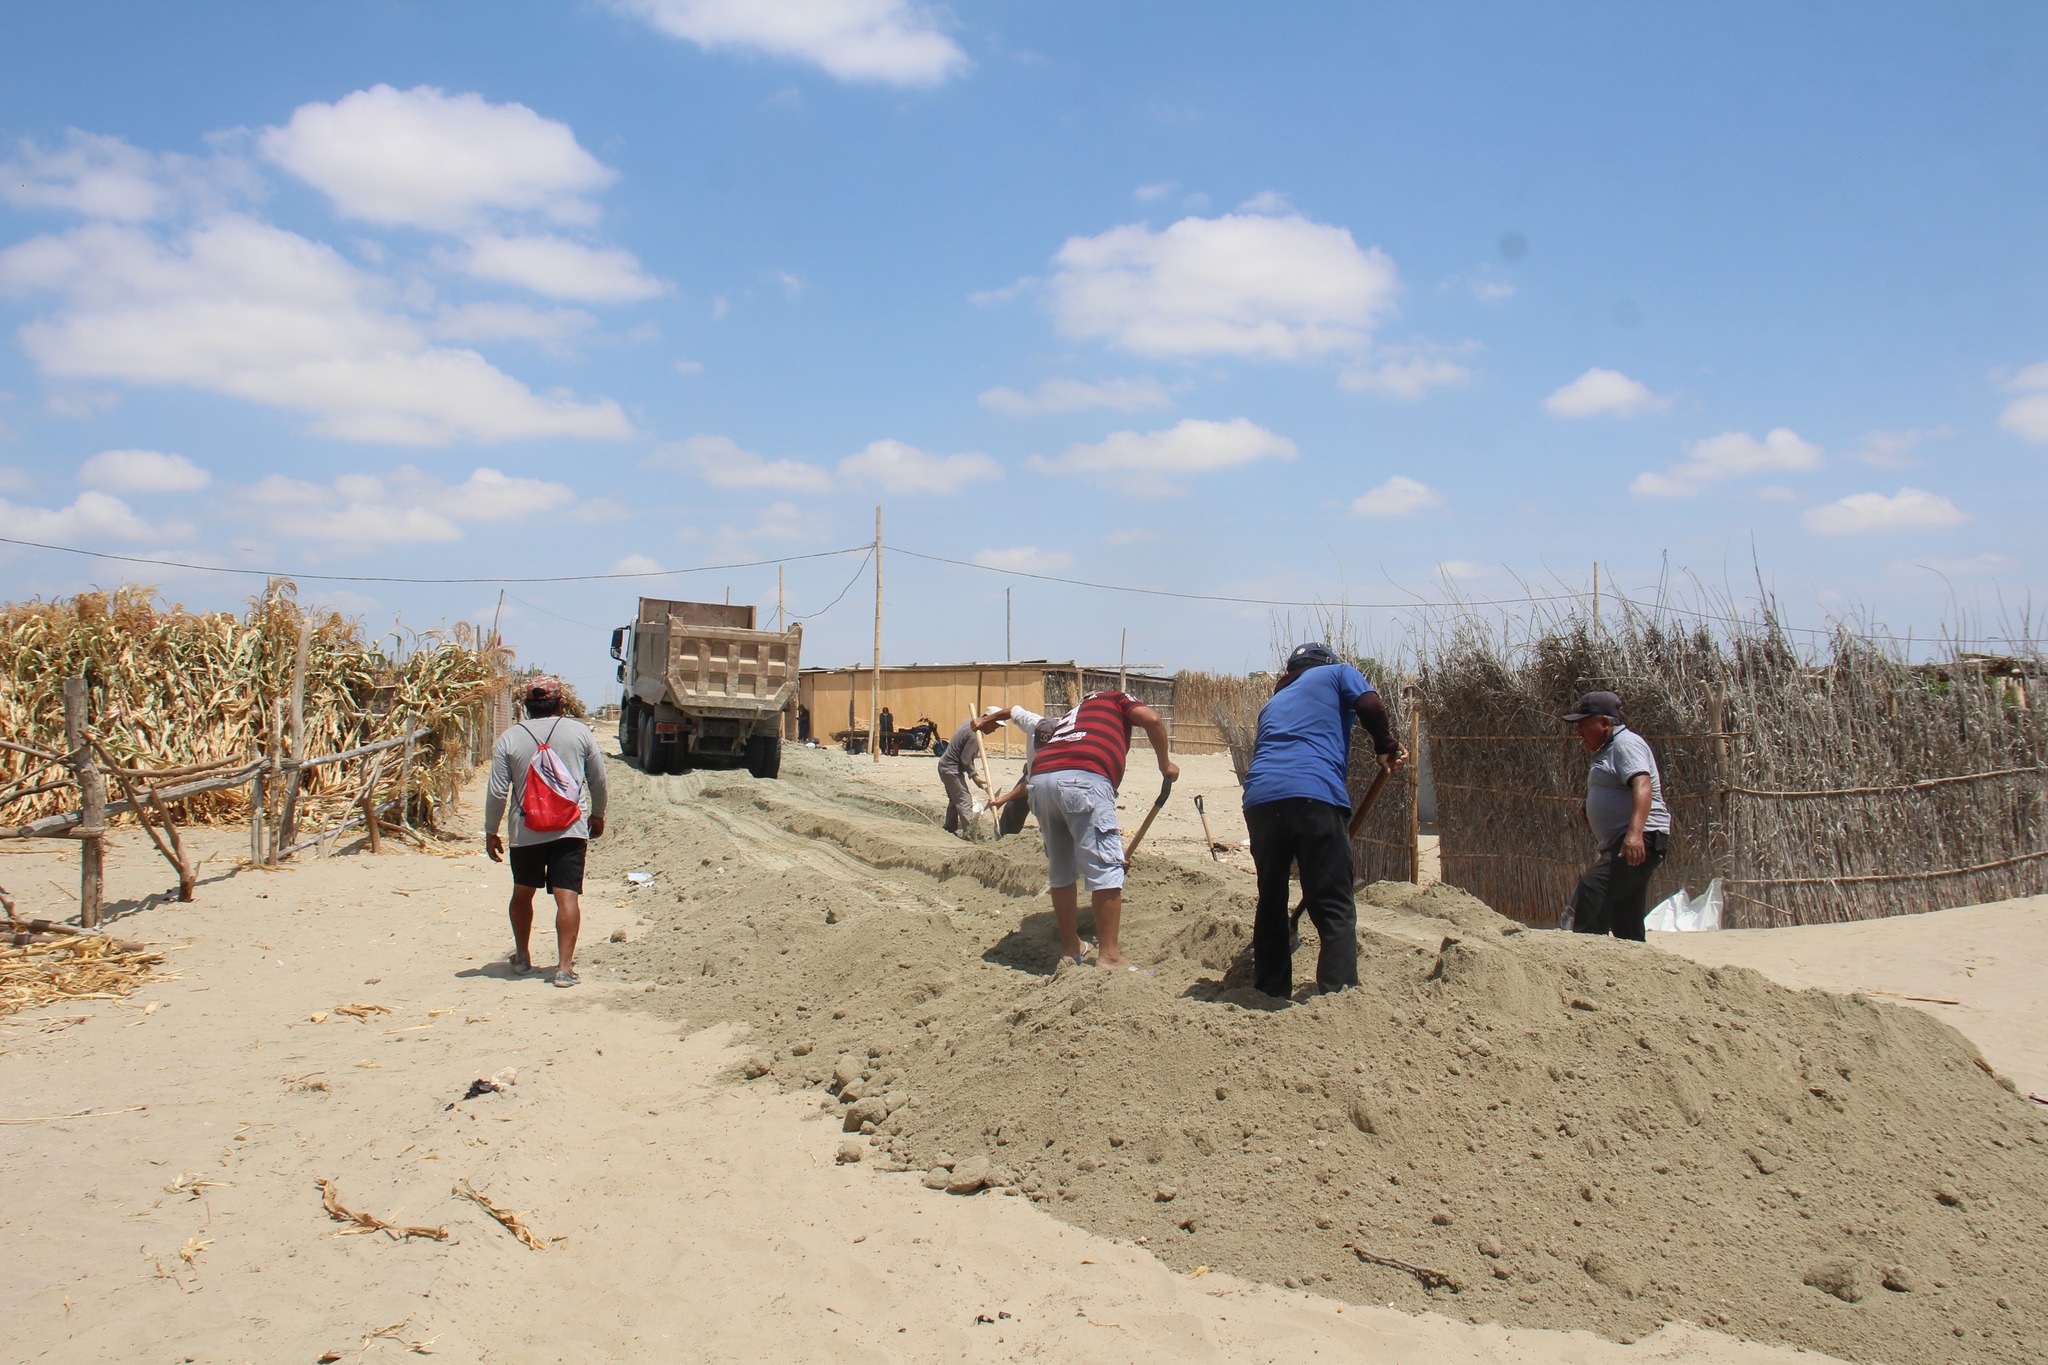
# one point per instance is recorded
(686, 1215)
(1981, 968)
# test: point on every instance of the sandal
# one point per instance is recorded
(521, 963)
(565, 977)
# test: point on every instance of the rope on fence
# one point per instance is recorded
(1513, 795)
(1883, 876)
(1902, 789)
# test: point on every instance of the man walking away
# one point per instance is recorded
(1298, 808)
(1075, 774)
(551, 858)
(957, 769)
(1625, 810)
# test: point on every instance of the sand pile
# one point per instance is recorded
(1501, 1125)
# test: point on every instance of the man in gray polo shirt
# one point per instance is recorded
(1626, 813)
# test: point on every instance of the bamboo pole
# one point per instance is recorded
(1416, 708)
(92, 810)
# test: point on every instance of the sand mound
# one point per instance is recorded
(1501, 1125)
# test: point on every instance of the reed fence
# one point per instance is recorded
(1842, 782)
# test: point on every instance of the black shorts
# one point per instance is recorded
(556, 864)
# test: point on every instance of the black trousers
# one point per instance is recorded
(1612, 897)
(1316, 835)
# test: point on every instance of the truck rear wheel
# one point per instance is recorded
(764, 755)
(644, 749)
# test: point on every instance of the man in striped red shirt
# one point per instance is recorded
(1075, 773)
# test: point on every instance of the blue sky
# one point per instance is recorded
(1286, 302)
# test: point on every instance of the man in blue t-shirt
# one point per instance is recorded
(1299, 811)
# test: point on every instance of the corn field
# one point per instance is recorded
(171, 688)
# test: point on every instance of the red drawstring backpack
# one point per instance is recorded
(552, 803)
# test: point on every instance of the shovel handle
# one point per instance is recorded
(1165, 790)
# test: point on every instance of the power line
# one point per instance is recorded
(394, 578)
(1217, 597)
(858, 570)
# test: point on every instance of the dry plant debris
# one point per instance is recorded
(362, 1012)
(330, 1199)
(79, 967)
(512, 1222)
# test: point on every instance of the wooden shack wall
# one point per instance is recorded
(949, 694)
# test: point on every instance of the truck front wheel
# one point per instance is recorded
(764, 755)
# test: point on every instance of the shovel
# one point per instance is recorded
(1372, 794)
(1165, 790)
(1207, 837)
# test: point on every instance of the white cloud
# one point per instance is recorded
(791, 283)
(422, 158)
(1132, 535)
(1725, 456)
(1150, 463)
(1599, 391)
(1972, 566)
(1399, 496)
(887, 42)
(1281, 288)
(1024, 559)
(1491, 291)
(97, 176)
(1075, 395)
(560, 268)
(142, 471)
(1266, 201)
(509, 322)
(904, 469)
(597, 511)
(90, 174)
(723, 462)
(636, 564)
(1145, 194)
(1894, 449)
(689, 367)
(14, 479)
(1459, 570)
(1402, 371)
(2027, 416)
(407, 505)
(989, 298)
(1910, 509)
(246, 309)
(91, 516)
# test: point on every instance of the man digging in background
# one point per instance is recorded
(1625, 810)
(956, 770)
(1298, 808)
(1075, 773)
(554, 857)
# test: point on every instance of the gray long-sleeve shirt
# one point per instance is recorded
(573, 743)
(961, 750)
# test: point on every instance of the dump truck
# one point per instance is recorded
(703, 687)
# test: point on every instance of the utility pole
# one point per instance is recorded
(875, 670)
(778, 599)
(496, 616)
(1009, 644)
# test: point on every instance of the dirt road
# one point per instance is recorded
(702, 1216)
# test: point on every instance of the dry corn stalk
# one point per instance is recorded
(80, 967)
(330, 1199)
(511, 1221)
(175, 689)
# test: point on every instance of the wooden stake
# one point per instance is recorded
(92, 790)
(1415, 792)
(288, 819)
(141, 807)
(875, 674)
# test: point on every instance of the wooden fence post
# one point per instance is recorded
(288, 818)
(92, 791)
(1415, 795)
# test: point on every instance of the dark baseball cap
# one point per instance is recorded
(1310, 656)
(1597, 704)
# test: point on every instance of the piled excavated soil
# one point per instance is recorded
(1545, 1130)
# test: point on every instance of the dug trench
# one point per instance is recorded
(1501, 1125)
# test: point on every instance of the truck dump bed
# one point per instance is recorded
(708, 685)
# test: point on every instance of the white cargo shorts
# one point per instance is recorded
(1077, 816)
